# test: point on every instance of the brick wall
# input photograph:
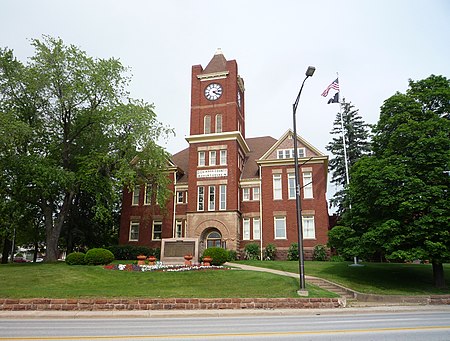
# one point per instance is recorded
(167, 304)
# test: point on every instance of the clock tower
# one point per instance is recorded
(217, 151)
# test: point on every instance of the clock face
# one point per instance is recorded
(213, 91)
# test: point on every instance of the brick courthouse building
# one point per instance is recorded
(230, 190)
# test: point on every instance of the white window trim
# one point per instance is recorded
(178, 224)
(275, 219)
(277, 179)
(219, 123)
(133, 224)
(157, 222)
(246, 194)
(207, 124)
(178, 197)
(291, 189)
(307, 189)
(147, 201)
(256, 193)
(211, 202)
(202, 196)
(256, 229)
(223, 157)
(305, 219)
(136, 189)
(201, 159)
(212, 158)
(222, 197)
(246, 229)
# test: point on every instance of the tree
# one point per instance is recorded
(399, 195)
(357, 135)
(84, 133)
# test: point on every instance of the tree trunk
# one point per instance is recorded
(53, 228)
(6, 249)
(438, 275)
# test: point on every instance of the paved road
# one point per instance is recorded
(412, 325)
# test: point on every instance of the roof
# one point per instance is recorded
(181, 159)
(218, 63)
(258, 147)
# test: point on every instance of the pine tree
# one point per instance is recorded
(357, 142)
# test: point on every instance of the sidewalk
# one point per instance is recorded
(146, 314)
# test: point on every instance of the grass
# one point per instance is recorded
(58, 280)
(372, 278)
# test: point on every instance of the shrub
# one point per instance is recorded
(293, 252)
(320, 253)
(336, 258)
(232, 255)
(130, 252)
(270, 252)
(252, 251)
(218, 255)
(99, 256)
(75, 258)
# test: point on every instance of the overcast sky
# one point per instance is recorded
(375, 46)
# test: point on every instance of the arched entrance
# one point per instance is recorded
(212, 237)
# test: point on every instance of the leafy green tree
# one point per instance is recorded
(81, 132)
(357, 142)
(399, 195)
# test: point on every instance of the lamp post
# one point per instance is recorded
(301, 261)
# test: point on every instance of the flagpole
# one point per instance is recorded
(343, 133)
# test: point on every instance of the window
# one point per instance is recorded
(256, 229)
(134, 231)
(201, 198)
(255, 193)
(223, 157)
(246, 194)
(214, 239)
(178, 229)
(246, 229)
(212, 158)
(157, 230)
(277, 194)
(307, 185)
(212, 198)
(218, 123)
(280, 227)
(201, 159)
(207, 124)
(289, 153)
(148, 194)
(180, 198)
(291, 186)
(223, 197)
(135, 199)
(309, 229)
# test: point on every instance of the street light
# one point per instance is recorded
(301, 261)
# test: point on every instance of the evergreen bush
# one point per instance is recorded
(218, 255)
(75, 258)
(232, 255)
(270, 252)
(252, 251)
(293, 252)
(99, 256)
(320, 253)
(130, 252)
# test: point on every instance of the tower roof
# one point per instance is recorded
(218, 63)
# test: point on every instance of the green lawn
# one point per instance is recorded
(59, 280)
(373, 278)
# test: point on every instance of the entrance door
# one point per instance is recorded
(213, 239)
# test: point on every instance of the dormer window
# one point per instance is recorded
(289, 153)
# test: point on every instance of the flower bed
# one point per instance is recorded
(159, 266)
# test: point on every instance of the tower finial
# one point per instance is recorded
(218, 51)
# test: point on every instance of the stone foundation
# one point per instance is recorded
(167, 304)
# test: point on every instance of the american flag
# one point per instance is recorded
(334, 85)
